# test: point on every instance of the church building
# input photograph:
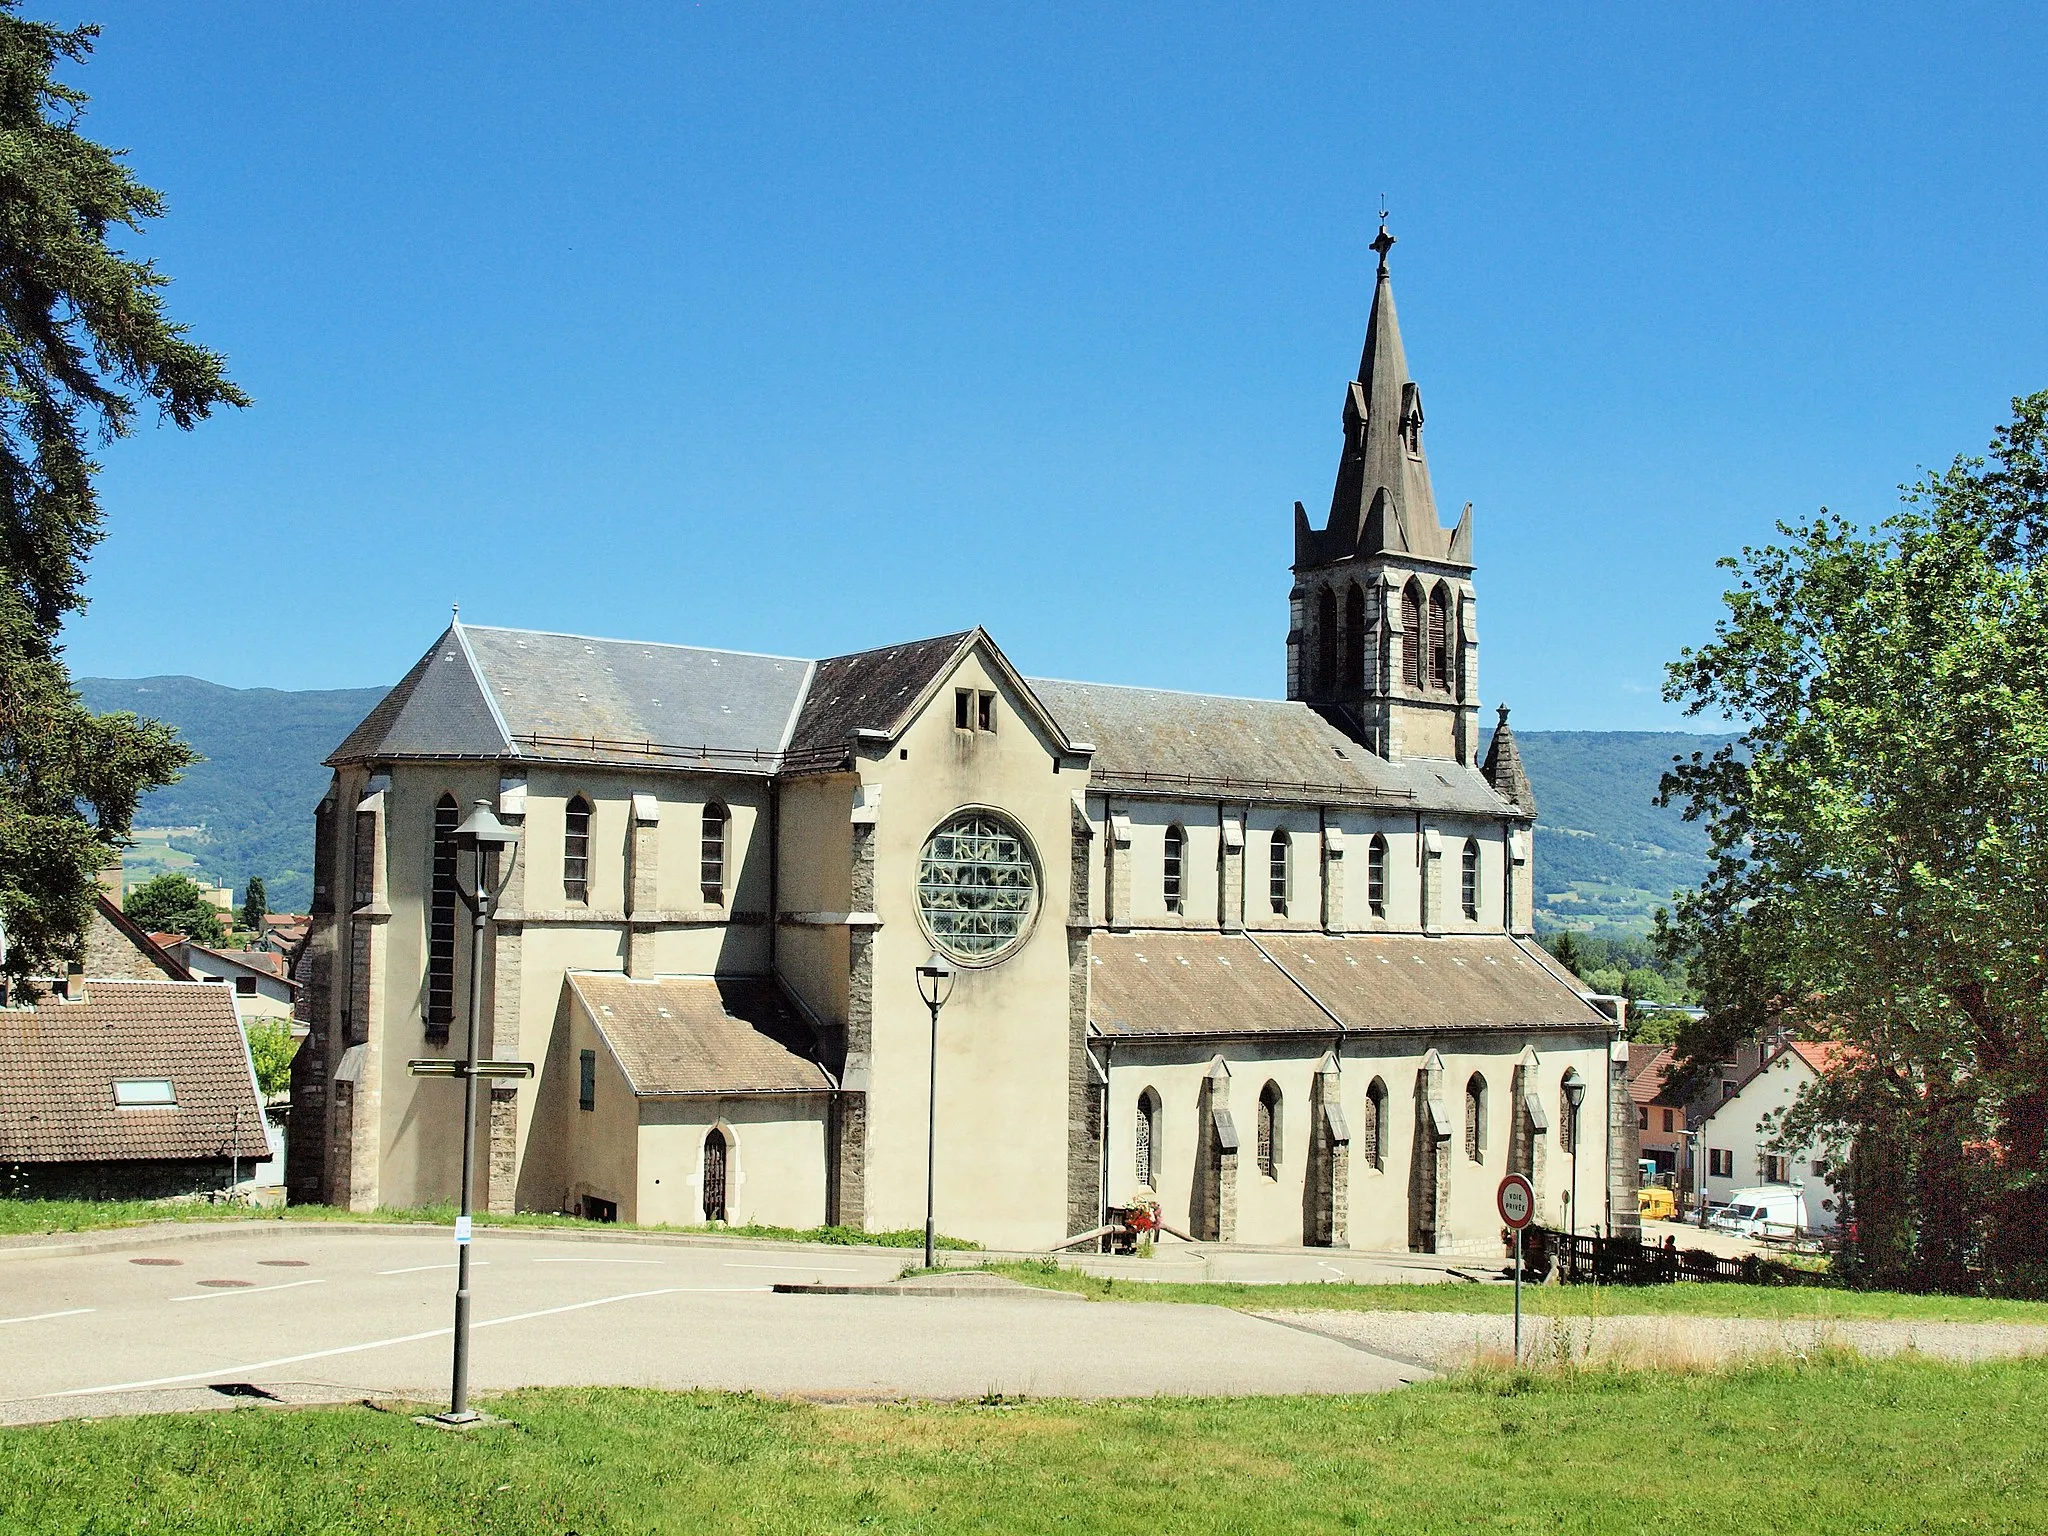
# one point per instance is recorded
(1266, 965)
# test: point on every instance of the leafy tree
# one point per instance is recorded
(175, 903)
(255, 906)
(84, 343)
(271, 1048)
(1880, 854)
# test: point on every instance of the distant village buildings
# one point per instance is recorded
(1267, 965)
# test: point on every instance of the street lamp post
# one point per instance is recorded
(934, 985)
(482, 834)
(1575, 1096)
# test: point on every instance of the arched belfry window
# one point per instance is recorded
(1326, 641)
(1375, 1128)
(1475, 1118)
(1354, 639)
(1413, 641)
(712, 857)
(1440, 638)
(716, 1157)
(1269, 1129)
(1469, 880)
(576, 850)
(1146, 1135)
(1376, 875)
(1174, 881)
(1277, 874)
(441, 921)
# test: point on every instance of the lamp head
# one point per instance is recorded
(482, 830)
(935, 980)
(1575, 1092)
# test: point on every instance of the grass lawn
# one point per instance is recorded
(24, 1217)
(1831, 1446)
(1694, 1300)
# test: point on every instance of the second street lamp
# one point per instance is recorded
(1575, 1096)
(934, 985)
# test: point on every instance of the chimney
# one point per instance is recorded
(74, 984)
(110, 882)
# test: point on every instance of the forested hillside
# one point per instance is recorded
(1605, 855)
(252, 799)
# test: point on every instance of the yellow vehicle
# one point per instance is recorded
(1656, 1203)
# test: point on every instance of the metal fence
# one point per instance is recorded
(1590, 1259)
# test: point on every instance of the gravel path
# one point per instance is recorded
(1441, 1340)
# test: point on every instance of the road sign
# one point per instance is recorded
(442, 1066)
(1516, 1200)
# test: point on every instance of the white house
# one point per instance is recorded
(1737, 1130)
(260, 992)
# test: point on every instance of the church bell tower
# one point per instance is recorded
(1382, 637)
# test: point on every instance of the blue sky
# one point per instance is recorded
(809, 328)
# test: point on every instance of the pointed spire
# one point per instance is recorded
(1504, 771)
(1383, 501)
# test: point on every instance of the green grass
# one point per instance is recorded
(1691, 1300)
(1833, 1445)
(22, 1217)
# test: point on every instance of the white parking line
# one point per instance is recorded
(39, 1317)
(228, 1372)
(802, 1269)
(597, 1261)
(248, 1290)
(418, 1268)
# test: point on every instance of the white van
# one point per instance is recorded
(1768, 1210)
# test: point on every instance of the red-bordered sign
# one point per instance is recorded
(1516, 1201)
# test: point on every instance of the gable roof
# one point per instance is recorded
(59, 1062)
(1201, 743)
(1649, 1068)
(688, 1035)
(144, 944)
(256, 963)
(872, 690)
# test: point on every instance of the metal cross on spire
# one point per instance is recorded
(1383, 242)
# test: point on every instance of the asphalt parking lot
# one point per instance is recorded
(212, 1317)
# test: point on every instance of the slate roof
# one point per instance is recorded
(59, 1062)
(870, 690)
(1152, 739)
(1172, 983)
(701, 1035)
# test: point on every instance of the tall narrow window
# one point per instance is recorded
(1376, 875)
(1176, 852)
(586, 1080)
(1269, 1129)
(1440, 638)
(1354, 639)
(714, 1175)
(713, 873)
(1376, 1124)
(1147, 1134)
(1326, 641)
(1413, 640)
(441, 922)
(1277, 872)
(1469, 880)
(1475, 1118)
(576, 850)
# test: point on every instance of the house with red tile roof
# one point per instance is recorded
(1738, 1133)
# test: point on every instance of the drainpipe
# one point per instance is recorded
(1102, 1165)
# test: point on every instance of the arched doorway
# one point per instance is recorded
(714, 1175)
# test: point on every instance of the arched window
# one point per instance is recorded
(715, 1151)
(1176, 852)
(1376, 1124)
(1440, 638)
(1376, 875)
(1277, 873)
(1468, 890)
(1475, 1118)
(1326, 641)
(713, 854)
(441, 921)
(1354, 639)
(1412, 638)
(1269, 1129)
(576, 850)
(1146, 1134)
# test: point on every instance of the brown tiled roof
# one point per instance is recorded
(1195, 983)
(692, 1035)
(59, 1062)
(1649, 1068)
